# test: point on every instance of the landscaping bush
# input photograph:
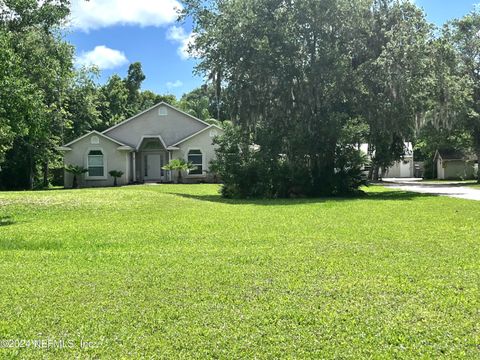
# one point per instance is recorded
(250, 171)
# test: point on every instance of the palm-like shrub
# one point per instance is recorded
(75, 170)
(179, 165)
(115, 174)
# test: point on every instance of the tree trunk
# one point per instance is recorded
(75, 182)
(382, 173)
(376, 170)
(477, 153)
(179, 177)
(31, 166)
(115, 181)
(370, 173)
(476, 141)
(45, 174)
(478, 164)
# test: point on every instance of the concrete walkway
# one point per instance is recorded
(451, 189)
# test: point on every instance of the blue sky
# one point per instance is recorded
(114, 33)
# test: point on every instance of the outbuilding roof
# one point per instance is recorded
(452, 155)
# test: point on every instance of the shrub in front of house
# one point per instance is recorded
(115, 174)
(250, 170)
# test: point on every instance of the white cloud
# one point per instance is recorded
(174, 84)
(95, 14)
(177, 34)
(103, 57)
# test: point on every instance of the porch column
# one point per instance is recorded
(134, 166)
(170, 171)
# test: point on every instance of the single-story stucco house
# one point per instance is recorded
(141, 145)
(451, 164)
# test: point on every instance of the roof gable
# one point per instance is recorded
(96, 133)
(198, 133)
(450, 154)
(162, 103)
(162, 119)
(157, 137)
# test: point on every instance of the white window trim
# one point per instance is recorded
(203, 174)
(105, 168)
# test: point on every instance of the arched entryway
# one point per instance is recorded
(151, 156)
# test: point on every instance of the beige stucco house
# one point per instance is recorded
(141, 145)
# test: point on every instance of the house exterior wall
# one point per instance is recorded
(401, 169)
(173, 127)
(440, 169)
(113, 160)
(455, 169)
(202, 142)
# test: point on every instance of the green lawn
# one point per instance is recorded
(175, 271)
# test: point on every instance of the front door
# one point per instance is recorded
(153, 167)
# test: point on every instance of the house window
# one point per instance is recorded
(95, 163)
(95, 140)
(196, 158)
(162, 111)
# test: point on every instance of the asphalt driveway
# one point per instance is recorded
(451, 189)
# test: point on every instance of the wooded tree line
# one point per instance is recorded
(45, 101)
(304, 82)
(307, 81)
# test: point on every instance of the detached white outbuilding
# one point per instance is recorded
(452, 164)
(404, 168)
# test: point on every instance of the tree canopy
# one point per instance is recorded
(304, 83)
(309, 80)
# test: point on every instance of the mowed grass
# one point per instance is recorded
(175, 271)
